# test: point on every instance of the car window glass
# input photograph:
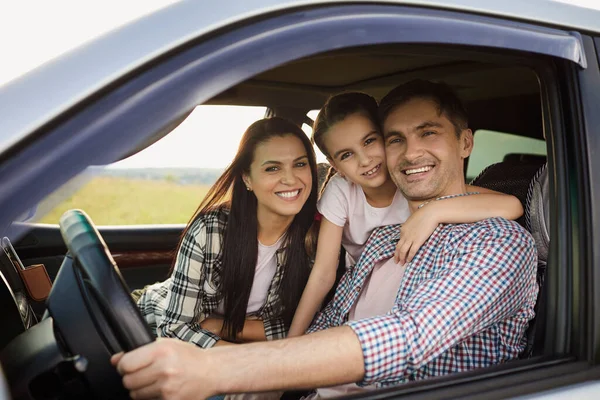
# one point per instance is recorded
(162, 184)
(492, 147)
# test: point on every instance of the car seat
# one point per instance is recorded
(528, 182)
(510, 177)
(537, 221)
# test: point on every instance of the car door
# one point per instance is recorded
(567, 63)
(143, 253)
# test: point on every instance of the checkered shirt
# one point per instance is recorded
(173, 308)
(464, 302)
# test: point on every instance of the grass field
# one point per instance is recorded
(121, 201)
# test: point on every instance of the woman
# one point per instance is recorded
(242, 264)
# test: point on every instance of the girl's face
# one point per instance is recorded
(280, 177)
(357, 152)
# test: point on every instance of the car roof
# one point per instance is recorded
(31, 101)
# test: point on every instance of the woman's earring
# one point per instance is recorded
(248, 188)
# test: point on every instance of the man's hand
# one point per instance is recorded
(165, 369)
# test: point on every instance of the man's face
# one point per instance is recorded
(424, 156)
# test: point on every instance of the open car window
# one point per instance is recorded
(162, 184)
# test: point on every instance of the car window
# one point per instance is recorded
(164, 183)
(492, 147)
(308, 130)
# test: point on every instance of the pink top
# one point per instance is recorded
(266, 265)
(377, 297)
(344, 204)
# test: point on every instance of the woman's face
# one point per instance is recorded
(280, 177)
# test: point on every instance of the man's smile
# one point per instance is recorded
(418, 170)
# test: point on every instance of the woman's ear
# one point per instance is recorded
(466, 143)
(246, 180)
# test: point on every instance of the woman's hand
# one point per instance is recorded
(413, 233)
(253, 331)
(213, 325)
(165, 369)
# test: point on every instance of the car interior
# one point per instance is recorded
(67, 355)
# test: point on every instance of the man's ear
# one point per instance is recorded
(466, 143)
(334, 166)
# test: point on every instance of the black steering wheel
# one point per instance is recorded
(103, 281)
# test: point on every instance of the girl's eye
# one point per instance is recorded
(301, 164)
(370, 140)
(345, 155)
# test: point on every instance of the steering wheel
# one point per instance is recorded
(104, 281)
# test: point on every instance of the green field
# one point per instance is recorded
(121, 201)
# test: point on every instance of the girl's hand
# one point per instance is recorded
(413, 233)
(214, 325)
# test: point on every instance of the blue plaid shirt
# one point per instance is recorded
(464, 302)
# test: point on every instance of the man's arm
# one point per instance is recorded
(174, 369)
(321, 359)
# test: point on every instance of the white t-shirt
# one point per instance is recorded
(344, 204)
(266, 266)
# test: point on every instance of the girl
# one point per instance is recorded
(361, 196)
(232, 279)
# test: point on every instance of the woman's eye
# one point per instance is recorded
(345, 155)
(301, 164)
(272, 169)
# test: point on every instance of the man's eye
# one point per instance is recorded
(394, 140)
(345, 155)
(428, 133)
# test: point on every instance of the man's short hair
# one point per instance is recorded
(442, 94)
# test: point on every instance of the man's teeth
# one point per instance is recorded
(371, 172)
(288, 195)
(417, 170)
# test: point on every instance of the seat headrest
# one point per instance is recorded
(537, 214)
(511, 178)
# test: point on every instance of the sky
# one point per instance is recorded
(35, 31)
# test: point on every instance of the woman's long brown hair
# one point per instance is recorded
(240, 243)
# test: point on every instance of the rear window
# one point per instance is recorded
(492, 147)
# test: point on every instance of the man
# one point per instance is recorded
(463, 302)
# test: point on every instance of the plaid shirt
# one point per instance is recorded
(175, 307)
(464, 302)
